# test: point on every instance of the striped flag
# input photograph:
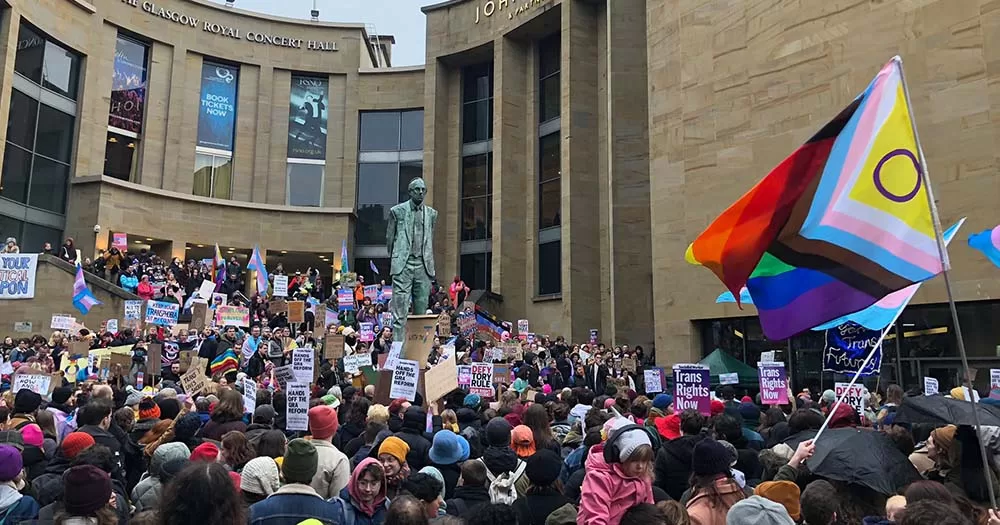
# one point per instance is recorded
(83, 300)
(224, 362)
(371, 264)
(218, 268)
(257, 264)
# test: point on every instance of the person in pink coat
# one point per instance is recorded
(610, 488)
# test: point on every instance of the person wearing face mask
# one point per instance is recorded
(363, 501)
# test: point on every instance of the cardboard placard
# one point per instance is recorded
(441, 379)
(501, 374)
(199, 316)
(124, 361)
(333, 346)
(628, 363)
(154, 358)
(444, 324)
(296, 312)
(284, 375)
(277, 305)
(193, 381)
(420, 332)
(79, 348)
(281, 285)
(320, 316)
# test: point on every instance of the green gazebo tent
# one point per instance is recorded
(719, 362)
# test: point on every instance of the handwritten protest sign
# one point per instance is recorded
(367, 332)
(199, 316)
(297, 413)
(444, 324)
(7, 368)
(62, 322)
(23, 327)
(296, 312)
(628, 363)
(404, 380)
(194, 380)
(930, 386)
(37, 383)
(319, 314)
(653, 380)
(482, 379)
(691, 389)
(232, 316)
(441, 379)
(371, 292)
(333, 346)
(17, 275)
(501, 374)
(731, 378)
(284, 374)
(133, 310)
(351, 365)
(302, 364)
(394, 352)
(206, 290)
(281, 285)
(111, 325)
(773, 383)
(512, 351)
(161, 313)
(847, 346)
(345, 299)
(277, 305)
(522, 326)
(464, 375)
(249, 395)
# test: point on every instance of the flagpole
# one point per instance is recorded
(924, 174)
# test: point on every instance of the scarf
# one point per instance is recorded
(397, 479)
(368, 509)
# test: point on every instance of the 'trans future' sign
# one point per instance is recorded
(691, 389)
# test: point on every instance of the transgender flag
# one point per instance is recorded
(257, 264)
(83, 300)
(218, 268)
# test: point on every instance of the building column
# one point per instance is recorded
(442, 172)
(8, 50)
(580, 176)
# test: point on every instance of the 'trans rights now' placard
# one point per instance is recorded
(692, 389)
(773, 383)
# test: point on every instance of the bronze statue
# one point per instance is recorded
(410, 241)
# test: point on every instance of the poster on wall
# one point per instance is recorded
(17, 275)
(217, 112)
(128, 85)
(307, 117)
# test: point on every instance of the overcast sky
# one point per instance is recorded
(400, 18)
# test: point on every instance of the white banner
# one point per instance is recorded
(404, 380)
(297, 413)
(17, 275)
(249, 395)
(281, 286)
(37, 383)
(302, 364)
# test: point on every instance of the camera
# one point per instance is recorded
(97, 228)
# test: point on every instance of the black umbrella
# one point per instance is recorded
(940, 410)
(858, 456)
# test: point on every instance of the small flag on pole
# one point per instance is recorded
(343, 257)
(218, 268)
(371, 264)
(83, 300)
(988, 242)
(257, 264)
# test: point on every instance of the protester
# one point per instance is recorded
(259, 479)
(544, 494)
(363, 501)
(427, 489)
(392, 453)
(713, 489)
(471, 491)
(14, 506)
(146, 494)
(448, 451)
(88, 497)
(620, 478)
(227, 416)
(333, 470)
(296, 500)
(202, 493)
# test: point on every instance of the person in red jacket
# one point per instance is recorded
(145, 290)
(458, 291)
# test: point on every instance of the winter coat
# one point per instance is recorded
(534, 508)
(15, 507)
(146, 494)
(350, 514)
(346, 433)
(607, 493)
(466, 499)
(48, 487)
(333, 470)
(703, 512)
(34, 462)
(413, 434)
(64, 417)
(106, 438)
(450, 473)
(292, 504)
(145, 290)
(136, 462)
(673, 465)
(216, 428)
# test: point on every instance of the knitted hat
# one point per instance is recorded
(168, 393)
(669, 426)
(11, 463)
(205, 452)
(756, 510)
(520, 385)
(62, 394)
(717, 407)
(167, 452)
(546, 389)
(746, 399)
(629, 441)
(148, 409)
(498, 432)
(750, 412)
(260, 476)
(323, 421)
(608, 403)
(170, 468)
(522, 441)
(710, 457)
(733, 455)
(395, 447)
(472, 401)
(330, 400)
(26, 401)
(513, 419)
(784, 492)
(187, 426)
(543, 468)
(943, 439)
(264, 415)
(169, 408)
(87, 489)
(829, 397)
(12, 438)
(662, 401)
(300, 461)
(76, 442)
(134, 398)
(449, 448)
(32, 435)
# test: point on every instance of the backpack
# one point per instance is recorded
(502, 488)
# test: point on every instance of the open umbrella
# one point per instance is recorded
(940, 410)
(859, 456)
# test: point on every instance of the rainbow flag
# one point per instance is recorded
(841, 223)
(224, 362)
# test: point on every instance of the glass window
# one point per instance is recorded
(213, 176)
(380, 131)
(222, 178)
(202, 175)
(407, 172)
(477, 82)
(374, 202)
(364, 269)
(477, 121)
(128, 85)
(476, 219)
(549, 192)
(16, 168)
(305, 184)
(23, 116)
(49, 180)
(476, 270)
(30, 49)
(548, 55)
(476, 175)
(412, 131)
(549, 268)
(11, 227)
(55, 134)
(477, 186)
(61, 71)
(35, 237)
(119, 156)
(548, 98)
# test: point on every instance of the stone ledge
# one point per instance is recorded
(88, 277)
(86, 6)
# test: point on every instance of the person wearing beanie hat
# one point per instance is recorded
(12, 438)
(75, 443)
(333, 468)
(14, 507)
(185, 428)
(717, 407)
(392, 453)
(148, 409)
(259, 479)
(146, 494)
(544, 495)
(87, 493)
(472, 401)
(134, 396)
(713, 489)
(618, 473)
(61, 408)
(785, 493)
(448, 449)
(296, 501)
(662, 401)
(26, 403)
(34, 457)
(669, 426)
(757, 510)
(169, 407)
(205, 452)
(522, 441)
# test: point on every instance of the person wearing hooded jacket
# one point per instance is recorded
(673, 461)
(447, 451)
(333, 469)
(498, 457)
(412, 432)
(14, 506)
(48, 487)
(135, 461)
(146, 494)
(612, 485)
(363, 501)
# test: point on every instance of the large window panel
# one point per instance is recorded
(477, 82)
(374, 201)
(119, 156)
(203, 175)
(550, 268)
(61, 71)
(222, 178)
(49, 180)
(30, 53)
(548, 78)
(55, 134)
(476, 270)
(21, 123)
(476, 223)
(476, 175)
(549, 193)
(35, 237)
(380, 131)
(411, 130)
(16, 168)
(305, 184)
(407, 172)
(477, 121)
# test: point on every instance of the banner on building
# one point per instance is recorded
(17, 275)
(128, 85)
(847, 346)
(307, 117)
(217, 114)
